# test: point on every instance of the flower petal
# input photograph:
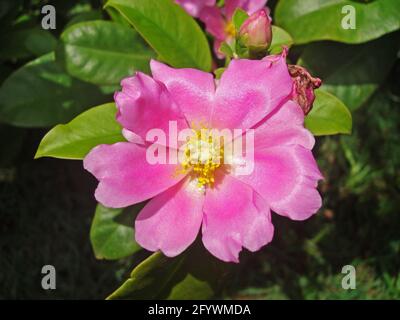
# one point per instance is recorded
(193, 90)
(194, 7)
(171, 221)
(234, 216)
(284, 126)
(214, 21)
(286, 177)
(249, 90)
(289, 113)
(146, 104)
(132, 137)
(125, 176)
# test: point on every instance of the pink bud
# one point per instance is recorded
(303, 87)
(256, 30)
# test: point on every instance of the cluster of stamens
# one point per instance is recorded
(203, 154)
(230, 29)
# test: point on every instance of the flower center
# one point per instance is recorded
(203, 154)
(230, 29)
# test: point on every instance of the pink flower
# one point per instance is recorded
(194, 7)
(219, 21)
(256, 30)
(232, 211)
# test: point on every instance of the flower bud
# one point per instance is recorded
(255, 32)
(303, 87)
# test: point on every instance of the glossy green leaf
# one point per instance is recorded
(172, 33)
(102, 52)
(194, 274)
(84, 17)
(75, 139)
(226, 49)
(41, 94)
(116, 16)
(239, 17)
(112, 233)
(311, 20)
(328, 115)
(352, 72)
(279, 38)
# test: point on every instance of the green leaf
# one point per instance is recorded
(102, 52)
(112, 233)
(238, 18)
(311, 20)
(24, 43)
(116, 17)
(41, 94)
(226, 49)
(75, 139)
(352, 72)
(172, 33)
(328, 115)
(84, 17)
(194, 274)
(279, 38)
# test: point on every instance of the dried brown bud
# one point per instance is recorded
(303, 87)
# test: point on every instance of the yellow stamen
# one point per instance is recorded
(230, 29)
(203, 155)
